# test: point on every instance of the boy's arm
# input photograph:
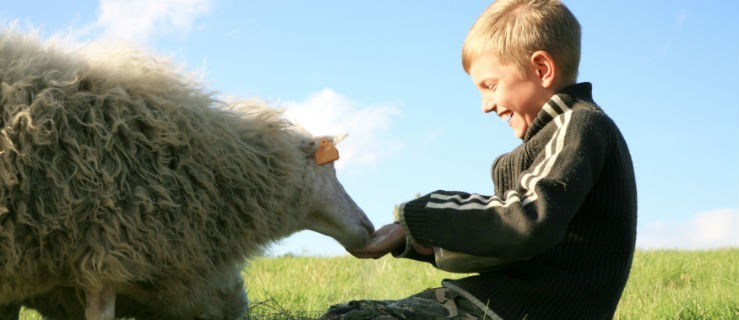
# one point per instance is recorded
(409, 251)
(529, 218)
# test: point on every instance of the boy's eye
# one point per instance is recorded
(491, 88)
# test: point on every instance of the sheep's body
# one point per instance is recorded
(117, 173)
(221, 296)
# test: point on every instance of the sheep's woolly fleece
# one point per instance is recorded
(121, 169)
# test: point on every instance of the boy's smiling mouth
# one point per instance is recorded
(506, 118)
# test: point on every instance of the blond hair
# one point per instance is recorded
(513, 30)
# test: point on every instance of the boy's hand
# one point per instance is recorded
(387, 239)
(384, 240)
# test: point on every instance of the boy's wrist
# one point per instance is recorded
(413, 216)
(400, 219)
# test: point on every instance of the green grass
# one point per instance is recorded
(664, 284)
(304, 287)
(682, 285)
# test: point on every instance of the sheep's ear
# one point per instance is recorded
(324, 148)
(338, 138)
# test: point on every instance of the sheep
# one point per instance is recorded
(223, 297)
(127, 186)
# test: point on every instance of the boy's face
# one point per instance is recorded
(515, 97)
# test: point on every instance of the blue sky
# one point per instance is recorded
(389, 74)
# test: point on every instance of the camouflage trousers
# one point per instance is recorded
(438, 303)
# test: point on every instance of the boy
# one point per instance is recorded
(564, 207)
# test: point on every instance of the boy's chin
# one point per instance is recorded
(518, 126)
(519, 132)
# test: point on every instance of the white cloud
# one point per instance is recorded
(710, 229)
(139, 20)
(329, 113)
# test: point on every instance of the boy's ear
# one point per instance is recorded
(544, 68)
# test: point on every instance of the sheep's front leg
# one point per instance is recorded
(100, 304)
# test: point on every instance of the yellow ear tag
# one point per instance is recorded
(326, 152)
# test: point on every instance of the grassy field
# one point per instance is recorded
(663, 284)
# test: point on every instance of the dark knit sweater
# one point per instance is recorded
(565, 200)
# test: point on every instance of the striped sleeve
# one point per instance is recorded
(533, 215)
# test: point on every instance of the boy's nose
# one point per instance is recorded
(488, 106)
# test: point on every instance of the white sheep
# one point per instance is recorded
(125, 182)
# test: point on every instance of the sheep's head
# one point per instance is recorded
(332, 211)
